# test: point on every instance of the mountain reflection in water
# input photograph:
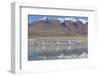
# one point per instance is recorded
(50, 52)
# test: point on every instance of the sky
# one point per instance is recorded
(32, 18)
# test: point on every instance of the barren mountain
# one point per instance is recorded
(58, 27)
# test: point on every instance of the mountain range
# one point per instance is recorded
(58, 27)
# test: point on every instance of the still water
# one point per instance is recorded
(53, 51)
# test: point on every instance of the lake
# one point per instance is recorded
(51, 50)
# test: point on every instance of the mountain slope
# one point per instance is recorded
(58, 27)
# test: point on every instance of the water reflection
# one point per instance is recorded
(62, 51)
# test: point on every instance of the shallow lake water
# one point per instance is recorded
(61, 51)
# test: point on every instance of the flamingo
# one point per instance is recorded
(68, 42)
(36, 42)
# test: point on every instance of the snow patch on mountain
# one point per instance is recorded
(67, 19)
(83, 21)
(64, 19)
(71, 19)
(61, 19)
(44, 18)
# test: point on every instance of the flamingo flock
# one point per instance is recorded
(57, 42)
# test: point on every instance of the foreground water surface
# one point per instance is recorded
(54, 51)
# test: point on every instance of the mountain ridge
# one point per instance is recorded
(56, 27)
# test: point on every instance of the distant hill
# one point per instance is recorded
(58, 27)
